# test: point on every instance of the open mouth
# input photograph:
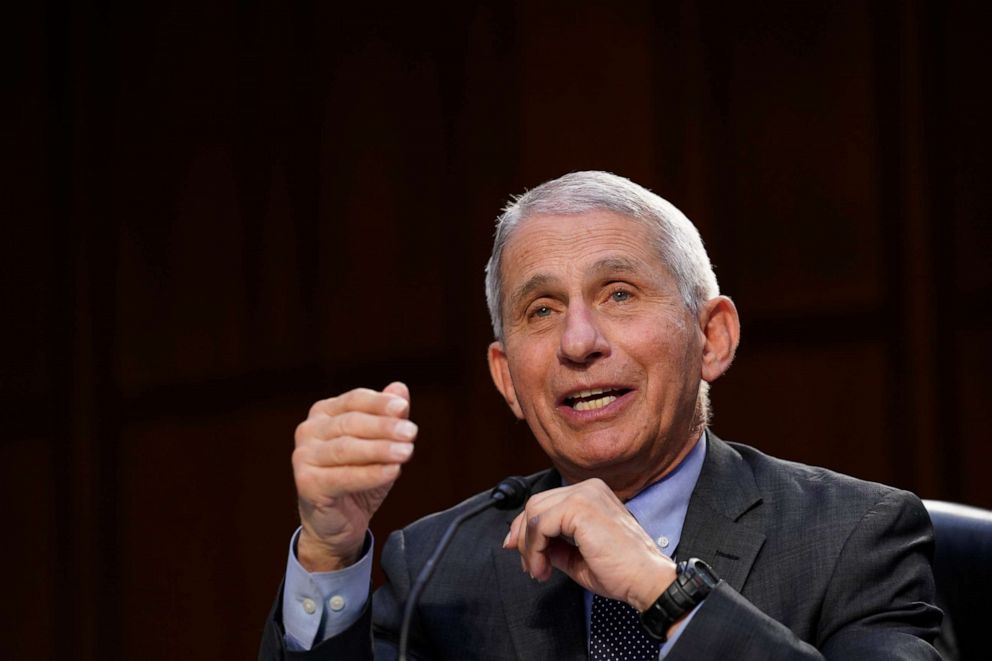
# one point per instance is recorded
(597, 398)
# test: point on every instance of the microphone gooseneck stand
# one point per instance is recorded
(509, 493)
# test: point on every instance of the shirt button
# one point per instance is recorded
(336, 602)
(309, 606)
(663, 542)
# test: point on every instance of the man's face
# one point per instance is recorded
(600, 355)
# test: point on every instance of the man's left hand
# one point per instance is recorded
(585, 531)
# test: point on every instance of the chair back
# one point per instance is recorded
(963, 571)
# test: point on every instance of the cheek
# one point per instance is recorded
(670, 355)
(526, 377)
(530, 359)
(655, 345)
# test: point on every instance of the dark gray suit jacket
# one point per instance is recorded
(814, 565)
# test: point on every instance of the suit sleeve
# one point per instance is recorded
(877, 604)
(387, 607)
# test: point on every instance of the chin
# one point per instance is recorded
(593, 463)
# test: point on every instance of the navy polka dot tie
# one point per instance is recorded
(615, 633)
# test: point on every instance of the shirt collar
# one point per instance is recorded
(661, 507)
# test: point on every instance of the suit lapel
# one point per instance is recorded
(713, 531)
(545, 620)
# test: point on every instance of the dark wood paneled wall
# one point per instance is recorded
(215, 214)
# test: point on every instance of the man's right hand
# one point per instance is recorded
(348, 455)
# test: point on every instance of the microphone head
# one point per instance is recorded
(510, 493)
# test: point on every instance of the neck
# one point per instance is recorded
(625, 481)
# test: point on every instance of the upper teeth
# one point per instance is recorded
(591, 404)
(587, 400)
(590, 393)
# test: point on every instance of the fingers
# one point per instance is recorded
(360, 413)
(570, 527)
(358, 425)
(394, 402)
(546, 522)
(550, 522)
(350, 451)
(363, 431)
(399, 389)
(536, 504)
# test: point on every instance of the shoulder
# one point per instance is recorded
(776, 477)
(797, 494)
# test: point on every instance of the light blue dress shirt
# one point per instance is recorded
(319, 605)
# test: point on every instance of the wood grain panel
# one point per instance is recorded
(31, 605)
(823, 405)
(214, 214)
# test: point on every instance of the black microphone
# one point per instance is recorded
(510, 493)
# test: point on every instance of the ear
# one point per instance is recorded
(499, 369)
(721, 328)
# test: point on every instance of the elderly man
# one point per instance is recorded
(609, 328)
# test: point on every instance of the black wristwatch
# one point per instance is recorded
(694, 579)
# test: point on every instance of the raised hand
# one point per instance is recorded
(348, 455)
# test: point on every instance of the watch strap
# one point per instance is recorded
(693, 582)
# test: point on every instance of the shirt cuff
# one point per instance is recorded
(320, 605)
(667, 645)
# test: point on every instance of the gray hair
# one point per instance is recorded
(677, 239)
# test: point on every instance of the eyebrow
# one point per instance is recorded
(615, 265)
(535, 282)
(538, 281)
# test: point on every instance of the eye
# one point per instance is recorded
(620, 296)
(541, 311)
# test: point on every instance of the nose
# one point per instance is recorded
(582, 339)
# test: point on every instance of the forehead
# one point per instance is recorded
(552, 245)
